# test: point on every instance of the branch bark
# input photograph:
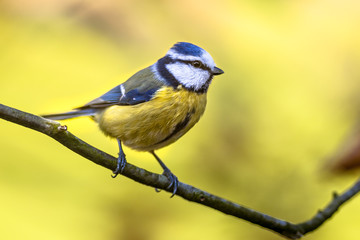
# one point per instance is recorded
(287, 229)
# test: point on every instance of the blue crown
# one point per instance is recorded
(186, 48)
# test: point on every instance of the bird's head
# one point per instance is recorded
(188, 65)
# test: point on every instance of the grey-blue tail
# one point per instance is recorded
(71, 114)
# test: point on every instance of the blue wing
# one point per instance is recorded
(138, 89)
(117, 97)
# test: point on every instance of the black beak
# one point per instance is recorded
(217, 71)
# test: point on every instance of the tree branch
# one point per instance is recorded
(290, 230)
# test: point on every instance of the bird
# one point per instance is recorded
(155, 106)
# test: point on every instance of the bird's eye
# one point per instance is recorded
(196, 64)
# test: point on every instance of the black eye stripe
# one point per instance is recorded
(202, 66)
(167, 59)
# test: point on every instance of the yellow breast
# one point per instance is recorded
(154, 124)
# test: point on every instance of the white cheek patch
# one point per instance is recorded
(188, 76)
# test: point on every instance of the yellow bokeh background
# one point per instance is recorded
(288, 98)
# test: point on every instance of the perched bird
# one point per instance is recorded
(156, 106)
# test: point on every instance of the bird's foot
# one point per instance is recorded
(174, 182)
(121, 162)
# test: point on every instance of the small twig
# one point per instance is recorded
(330, 209)
(284, 228)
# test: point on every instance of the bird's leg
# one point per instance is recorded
(174, 182)
(121, 161)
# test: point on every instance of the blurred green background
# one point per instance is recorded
(288, 98)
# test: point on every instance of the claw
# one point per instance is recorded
(121, 162)
(174, 182)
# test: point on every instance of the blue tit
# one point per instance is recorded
(156, 106)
